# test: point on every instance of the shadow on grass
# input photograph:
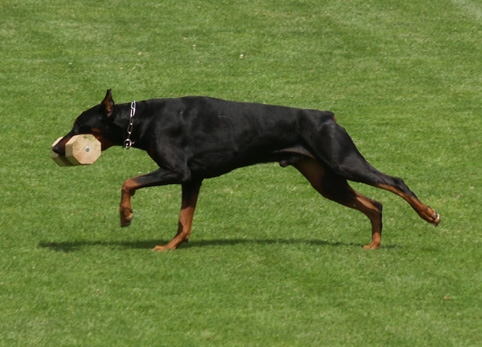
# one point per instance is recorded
(149, 244)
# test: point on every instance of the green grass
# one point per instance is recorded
(270, 263)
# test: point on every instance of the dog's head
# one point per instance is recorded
(97, 121)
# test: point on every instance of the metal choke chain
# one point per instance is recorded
(128, 142)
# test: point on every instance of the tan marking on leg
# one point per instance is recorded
(128, 190)
(190, 193)
(341, 192)
(425, 212)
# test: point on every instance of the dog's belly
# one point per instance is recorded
(217, 163)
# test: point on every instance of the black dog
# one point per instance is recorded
(194, 138)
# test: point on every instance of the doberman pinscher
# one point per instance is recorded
(194, 138)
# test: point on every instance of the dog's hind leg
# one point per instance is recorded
(399, 188)
(336, 149)
(336, 188)
(365, 173)
(190, 193)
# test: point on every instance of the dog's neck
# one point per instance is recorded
(124, 120)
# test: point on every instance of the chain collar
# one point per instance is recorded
(128, 142)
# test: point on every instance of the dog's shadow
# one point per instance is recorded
(74, 246)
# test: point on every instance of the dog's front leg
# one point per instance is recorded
(128, 190)
(156, 178)
(190, 193)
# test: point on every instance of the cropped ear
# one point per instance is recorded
(108, 103)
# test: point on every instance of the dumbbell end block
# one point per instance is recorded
(79, 150)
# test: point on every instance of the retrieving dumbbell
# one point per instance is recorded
(79, 150)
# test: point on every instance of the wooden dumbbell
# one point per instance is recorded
(79, 150)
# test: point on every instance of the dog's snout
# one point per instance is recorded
(56, 149)
(58, 146)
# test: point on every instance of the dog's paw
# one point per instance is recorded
(372, 246)
(163, 248)
(431, 216)
(436, 219)
(126, 216)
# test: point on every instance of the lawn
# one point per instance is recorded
(270, 262)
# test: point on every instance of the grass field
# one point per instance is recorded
(270, 263)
